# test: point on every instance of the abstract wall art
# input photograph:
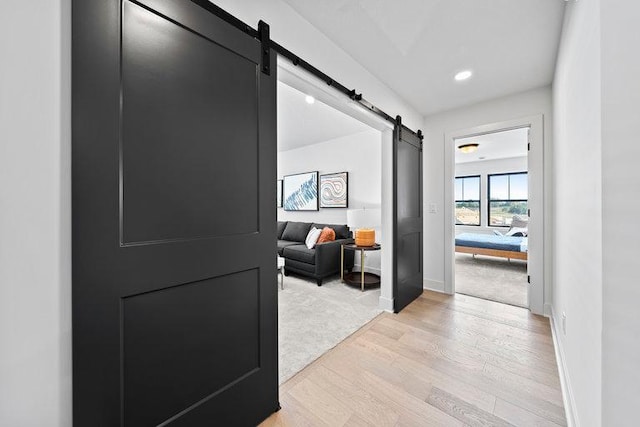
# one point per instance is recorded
(279, 194)
(334, 191)
(300, 192)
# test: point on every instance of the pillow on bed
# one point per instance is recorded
(519, 222)
(497, 233)
(517, 232)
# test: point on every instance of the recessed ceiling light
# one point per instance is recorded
(468, 148)
(463, 75)
(310, 99)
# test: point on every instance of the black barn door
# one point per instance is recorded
(174, 160)
(407, 216)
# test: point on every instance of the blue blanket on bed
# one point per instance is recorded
(492, 241)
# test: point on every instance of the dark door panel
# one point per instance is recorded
(174, 156)
(408, 224)
(173, 84)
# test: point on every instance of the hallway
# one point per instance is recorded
(445, 360)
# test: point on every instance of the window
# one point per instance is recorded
(508, 194)
(468, 200)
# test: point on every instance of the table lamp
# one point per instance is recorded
(363, 221)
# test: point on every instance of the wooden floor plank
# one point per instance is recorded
(321, 403)
(354, 360)
(520, 417)
(363, 404)
(480, 398)
(442, 316)
(463, 411)
(544, 371)
(530, 323)
(444, 360)
(472, 372)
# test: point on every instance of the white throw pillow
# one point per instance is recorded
(312, 237)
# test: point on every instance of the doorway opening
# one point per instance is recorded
(491, 216)
(494, 212)
(341, 156)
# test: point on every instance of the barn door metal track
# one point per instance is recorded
(262, 34)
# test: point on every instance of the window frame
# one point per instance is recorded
(489, 200)
(479, 201)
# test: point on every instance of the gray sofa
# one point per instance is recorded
(321, 261)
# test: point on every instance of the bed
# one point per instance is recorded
(492, 245)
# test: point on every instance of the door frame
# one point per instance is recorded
(537, 250)
(308, 83)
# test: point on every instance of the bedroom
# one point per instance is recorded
(491, 216)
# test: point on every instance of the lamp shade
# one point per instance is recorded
(364, 218)
(362, 221)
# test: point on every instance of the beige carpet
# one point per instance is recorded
(314, 319)
(492, 278)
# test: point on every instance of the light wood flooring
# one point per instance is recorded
(443, 361)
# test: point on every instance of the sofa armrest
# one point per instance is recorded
(328, 256)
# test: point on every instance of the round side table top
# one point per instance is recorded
(353, 246)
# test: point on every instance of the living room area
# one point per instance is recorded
(329, 185)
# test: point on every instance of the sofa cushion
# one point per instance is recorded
(327, 235)
(312, 237)
(300, 253)
(296, 231)
(342, 231)
(283, 244)
(281, 227)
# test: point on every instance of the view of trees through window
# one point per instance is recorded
(468, 200)
(508, 196)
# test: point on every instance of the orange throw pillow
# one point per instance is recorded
(327, 235)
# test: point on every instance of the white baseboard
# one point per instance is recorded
(548, 308)
(565, 384)
(386, 304)
(433, 285)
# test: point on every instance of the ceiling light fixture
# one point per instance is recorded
(468, 148)
(310, 99)
(463, 75)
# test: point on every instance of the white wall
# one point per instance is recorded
(484, 169)
(358, 154)
(577, 208)
(292, 31)
(620, 44)
(35, 263)
(534, 102)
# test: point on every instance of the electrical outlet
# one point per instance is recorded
(564, 323)
(433, 208)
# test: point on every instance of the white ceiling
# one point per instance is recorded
(499, 145)
(417, 46)
(300, 123)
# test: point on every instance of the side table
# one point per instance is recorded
(358, 277)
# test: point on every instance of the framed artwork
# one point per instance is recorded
(279, 193)
(334, 190)
(300, 192)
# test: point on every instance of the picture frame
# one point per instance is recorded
(279, 194)
(300, 192)
(334, 190)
